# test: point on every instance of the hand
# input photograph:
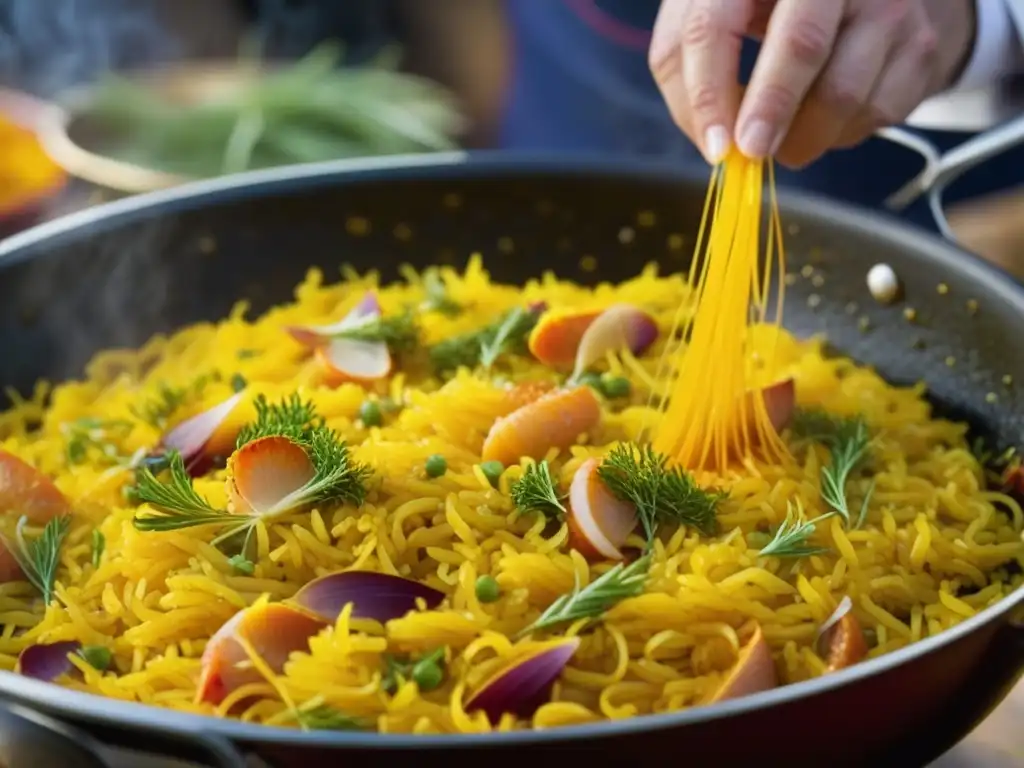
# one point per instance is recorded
(829, 73)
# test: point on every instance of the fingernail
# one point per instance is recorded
(757, 140)
(716, 143)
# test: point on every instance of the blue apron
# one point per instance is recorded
(581, 83)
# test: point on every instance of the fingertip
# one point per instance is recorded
(758, 139)
(716, 144)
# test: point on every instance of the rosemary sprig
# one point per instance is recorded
(536, 490)
(791, 537)
(848, 441)
(510, 335)
(595, 599)
(40, 558)
(507, 334)
(176, 503)
(399, 332)
(660, 494)
(437, 298)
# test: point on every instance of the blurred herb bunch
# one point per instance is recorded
(310, 110)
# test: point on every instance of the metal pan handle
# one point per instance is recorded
(941, 170)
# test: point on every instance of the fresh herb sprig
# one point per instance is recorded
(848, 441)
(323, 717)
(484, 346)
(792, 536)
(99, 437)
(536, 491)
(157, 410)
(99, 544)
(595, 599)
(176, 505)
(427, 672)
(399, 332)
(437, 298)
(661, 494)
(39, 558)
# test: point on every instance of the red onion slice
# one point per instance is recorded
(620, 326)
(377, 596)
(191, 437)
(844, 607)
(314, 335)
(47, 662)
(525, 685)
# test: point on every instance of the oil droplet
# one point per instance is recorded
(991, 397)
(910, 314)
(818, 280)
(627, 235)
(402, 232)
(950, 361)
(357, 226)
(790, 278)
(505, 245)
(793, 229)
(806, 270)
(645, 218)
(864, 324)
(675, 242)
(851, 308)
(972, 306)
(588, 263)
(1008, 380)
(943, 289)
(814, 301)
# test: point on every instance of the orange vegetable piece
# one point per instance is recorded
(556, 337)
(525, 392)
(264, 472)
(24, 490)
(273, 630)
(753, 672)
(844, 643)
(555, 420)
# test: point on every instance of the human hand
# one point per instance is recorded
(829, 73)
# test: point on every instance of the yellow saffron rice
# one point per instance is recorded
(936, 548)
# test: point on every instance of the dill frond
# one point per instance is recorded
(536, 491)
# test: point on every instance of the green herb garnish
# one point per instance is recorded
(39, 558)
(790, 540)
(595, 599)
(427, 672)
(437, 298)
(848, 441)
(661, 494)
(176, 504)
(99, 543)
(238, 382)
(536, 491)
(399, 332)
(507, 334)
(94, 436)
(157, 410)
(242, 564)
(323, 717)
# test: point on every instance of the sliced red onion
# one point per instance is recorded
(314, 335)
(191, 437)
(844, 607)
(780, 402)
(621, 326)
(355, 360)
(47, 662)
(377, 596)
(525, 685)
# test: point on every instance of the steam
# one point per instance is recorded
(48, 46)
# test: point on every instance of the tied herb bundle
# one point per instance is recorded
(308, 111)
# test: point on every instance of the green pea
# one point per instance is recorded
(97, 656)
(436, 465)
(592, 380)
(487, 589)
(492, 471)
(238, 383)
(370, 413)
(616, 386)
(427, 674)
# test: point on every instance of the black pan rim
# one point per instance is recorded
(87, 707)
